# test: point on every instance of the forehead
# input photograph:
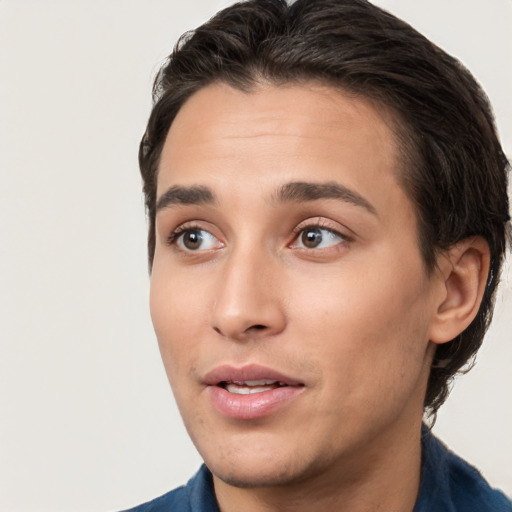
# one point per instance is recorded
(241, 141)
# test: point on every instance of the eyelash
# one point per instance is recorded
(301, 228)
(319, 224)
(316, 224)
(173, 237)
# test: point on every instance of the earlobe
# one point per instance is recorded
(463, 269)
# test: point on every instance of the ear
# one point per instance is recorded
(463, 271)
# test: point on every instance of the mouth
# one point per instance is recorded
(250, 387)
(250, 392)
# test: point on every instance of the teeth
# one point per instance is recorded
(254, 382)
(241, 389)
(248, 387)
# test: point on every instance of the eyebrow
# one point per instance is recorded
(299, 191)
(305, 191)
(178, 194)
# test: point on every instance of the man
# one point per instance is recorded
(328, 217)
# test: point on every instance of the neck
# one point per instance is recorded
(384, 476)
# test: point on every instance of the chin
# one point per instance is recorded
(258, 466)
(276, 474)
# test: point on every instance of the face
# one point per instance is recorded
(288, 293)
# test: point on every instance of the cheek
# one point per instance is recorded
(369, 332)
(176, 316)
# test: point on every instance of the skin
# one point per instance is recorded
(353, 319)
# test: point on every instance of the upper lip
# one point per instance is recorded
(228, 373)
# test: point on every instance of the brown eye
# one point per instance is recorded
(311, 237)
(193, 239)
(316, 237)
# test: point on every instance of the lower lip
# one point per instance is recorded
(256, 405)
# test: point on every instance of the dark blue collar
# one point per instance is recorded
(449, 484)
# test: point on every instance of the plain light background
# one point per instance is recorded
(87, 420)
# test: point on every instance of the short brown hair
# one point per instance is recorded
(453, 167)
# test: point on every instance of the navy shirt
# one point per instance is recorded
(448, 484)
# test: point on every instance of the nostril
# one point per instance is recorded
(258, 327)
(251, 331)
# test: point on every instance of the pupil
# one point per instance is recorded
(312, 238)
(192, 239)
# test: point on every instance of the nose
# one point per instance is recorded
(248, 301)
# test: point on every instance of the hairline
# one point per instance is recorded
(403, 134)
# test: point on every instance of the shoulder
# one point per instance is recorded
(196, 496)
(469, 488)
(449, 484)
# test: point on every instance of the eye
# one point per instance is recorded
(194, 239)
(315, 237)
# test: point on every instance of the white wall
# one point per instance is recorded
(87, 422)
